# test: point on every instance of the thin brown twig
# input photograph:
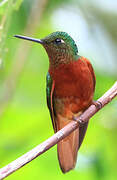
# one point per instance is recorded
(40, 149)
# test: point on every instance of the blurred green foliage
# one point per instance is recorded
(24, 117)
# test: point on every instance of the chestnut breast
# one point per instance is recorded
(73, 79)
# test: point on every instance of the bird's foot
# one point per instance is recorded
(98, 104)
(79, 120)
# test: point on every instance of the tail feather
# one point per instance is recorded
(68, 147)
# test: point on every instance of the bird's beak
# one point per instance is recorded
(29, 38)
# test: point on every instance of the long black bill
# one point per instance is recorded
(29, 38)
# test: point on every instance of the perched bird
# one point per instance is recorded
(70, 90)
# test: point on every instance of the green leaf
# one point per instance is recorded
(17, 4)
(3, 6)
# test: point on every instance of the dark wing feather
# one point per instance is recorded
(50, 98)
(82, 131)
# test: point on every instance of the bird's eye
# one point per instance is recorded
(59, 41)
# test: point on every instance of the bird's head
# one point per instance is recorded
(60, 47)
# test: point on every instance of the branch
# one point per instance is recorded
(40, 149)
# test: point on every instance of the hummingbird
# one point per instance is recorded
(70, 86)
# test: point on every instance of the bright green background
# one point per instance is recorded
(24, 117)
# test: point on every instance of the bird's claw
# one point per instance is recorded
(98, 104)
(79, 120)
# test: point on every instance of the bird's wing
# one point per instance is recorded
(82, 130)
(50, 98)
(91, 70)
